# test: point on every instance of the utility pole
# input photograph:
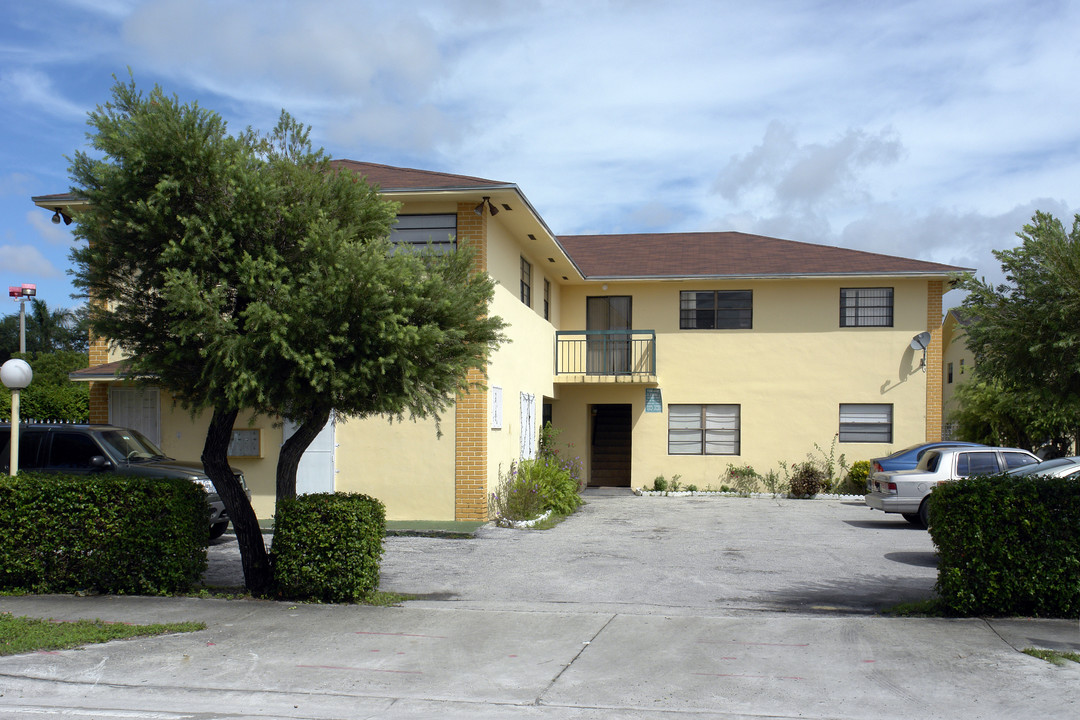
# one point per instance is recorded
(22, 293)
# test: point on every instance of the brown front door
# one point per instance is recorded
(612, 440)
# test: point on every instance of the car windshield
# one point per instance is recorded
(131, 445)
(1043, 467)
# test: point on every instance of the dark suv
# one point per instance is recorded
(103, 448)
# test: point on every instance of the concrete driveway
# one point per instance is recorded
(699, 555)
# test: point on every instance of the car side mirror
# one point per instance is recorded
(100, 462)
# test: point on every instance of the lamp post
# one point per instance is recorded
(21, 293)
(15, 374)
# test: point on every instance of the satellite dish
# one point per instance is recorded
(920, 341)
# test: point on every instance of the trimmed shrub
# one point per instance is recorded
(1008, 545)
(101, 533)
(807, 480)
(327, 547)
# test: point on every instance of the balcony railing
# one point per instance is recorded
(605, 353)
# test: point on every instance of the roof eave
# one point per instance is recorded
(778, 276)
(473, 190)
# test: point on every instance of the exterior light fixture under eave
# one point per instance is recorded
(59, 215)
(479, 209)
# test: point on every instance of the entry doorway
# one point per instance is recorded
(611, 445)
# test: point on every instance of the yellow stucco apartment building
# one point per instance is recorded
(663, 354)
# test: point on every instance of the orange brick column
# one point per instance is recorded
(99, 391)
(934, 355)
(471, 411)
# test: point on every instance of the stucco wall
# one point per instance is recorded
(403, 464)
(183, 437)
(789, 374)
(524, 365)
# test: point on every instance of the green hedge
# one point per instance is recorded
(1008, 545)
(101, 533)
(327, 547)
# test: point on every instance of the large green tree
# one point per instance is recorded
(1025, 334)
(243, 272)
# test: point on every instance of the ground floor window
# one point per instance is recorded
(866, 423)
(703, 429)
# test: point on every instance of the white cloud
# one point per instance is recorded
(16, 183)
(27, 260)
(794, 176)
(53, 233)
(35, 88)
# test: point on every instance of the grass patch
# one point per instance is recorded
(23, 634)
(387, 599)
(1053, 656)
(920, 608)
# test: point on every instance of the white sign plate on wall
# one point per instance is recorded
(496, 408)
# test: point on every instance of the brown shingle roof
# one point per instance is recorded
(116, 370)
(390, 178)
(729, 254)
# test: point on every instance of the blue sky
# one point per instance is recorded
(930, 130)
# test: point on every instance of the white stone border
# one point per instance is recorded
(732, 493)
(522, 524)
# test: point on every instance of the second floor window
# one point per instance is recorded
(716, 309)
(416, 231)
(526, 282)
(866, 307)
(547, 299)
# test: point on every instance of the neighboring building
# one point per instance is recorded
(665, 354)
(958, 361)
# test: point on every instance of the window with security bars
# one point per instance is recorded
(866, 423)
(703, 429)
(417, 231)
(716, 309)
(866, 307)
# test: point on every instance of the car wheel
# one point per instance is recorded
(924, 513)
(913, 518)
(218, 530)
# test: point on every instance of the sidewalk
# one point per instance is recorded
(261, 659)
(634, 608)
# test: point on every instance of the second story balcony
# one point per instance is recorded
(596, 356)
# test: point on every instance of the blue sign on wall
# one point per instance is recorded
(653, 401)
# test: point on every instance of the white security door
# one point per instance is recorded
(315, 474)
(136, 408)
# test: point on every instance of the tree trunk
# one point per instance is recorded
(293, 450)
(215, 458)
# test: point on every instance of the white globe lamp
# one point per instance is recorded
(16, 375)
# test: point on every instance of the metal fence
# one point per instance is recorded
(605, 352)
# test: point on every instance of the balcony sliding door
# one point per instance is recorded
(608, 351)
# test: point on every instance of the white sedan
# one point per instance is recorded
(1063, 467)
(906, 491)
